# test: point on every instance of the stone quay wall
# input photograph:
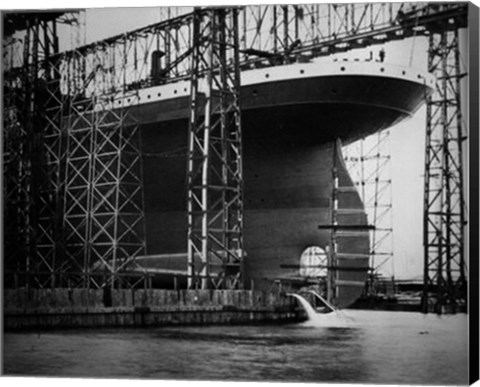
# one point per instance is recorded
(70, 308)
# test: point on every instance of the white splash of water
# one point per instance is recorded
(333, 319)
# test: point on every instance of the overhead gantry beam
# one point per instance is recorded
(274, 34)
(269, 35)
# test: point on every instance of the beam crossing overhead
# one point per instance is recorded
(274, 34)
(215, 180)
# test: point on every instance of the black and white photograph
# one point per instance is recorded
(275, 192)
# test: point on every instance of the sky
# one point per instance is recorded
(407, 139)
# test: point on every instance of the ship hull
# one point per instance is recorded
(294, 119)
(287, 196)
(289, 139)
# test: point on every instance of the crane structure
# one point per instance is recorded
(72, 164)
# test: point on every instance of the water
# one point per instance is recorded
(380, 347)
(333, 318)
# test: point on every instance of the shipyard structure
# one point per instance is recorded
(188, 157)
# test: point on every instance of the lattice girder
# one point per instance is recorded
(445, 277)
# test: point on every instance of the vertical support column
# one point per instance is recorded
(30, 63)
(50, 143)
(77, 180)
(35, 137)
(332, 263)
(15, 164)
(445, 282)
(215, 176)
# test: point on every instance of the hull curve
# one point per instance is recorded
(290, 130)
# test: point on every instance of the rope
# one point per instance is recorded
(413, 42)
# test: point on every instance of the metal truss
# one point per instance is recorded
(32, 134)
(50, 157)
(275, 34)
(368, 162)
(71, 139)
(287, 30)
(270, 35)
(147, 56)
(74, 199)
(445, 271)
(215, 177)
(103, 217)
(168, 13)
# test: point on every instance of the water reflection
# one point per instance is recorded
(382, 347)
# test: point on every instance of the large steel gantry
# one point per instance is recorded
(73, 186)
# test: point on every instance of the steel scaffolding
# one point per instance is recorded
(445, 271)
(72, 164)
(215, 178)
(275, 34)
(368, 162)
(31, 159)
(103, 217)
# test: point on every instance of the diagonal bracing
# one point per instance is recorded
(103, 206)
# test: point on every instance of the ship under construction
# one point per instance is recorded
(293, 117)
(230, 175)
